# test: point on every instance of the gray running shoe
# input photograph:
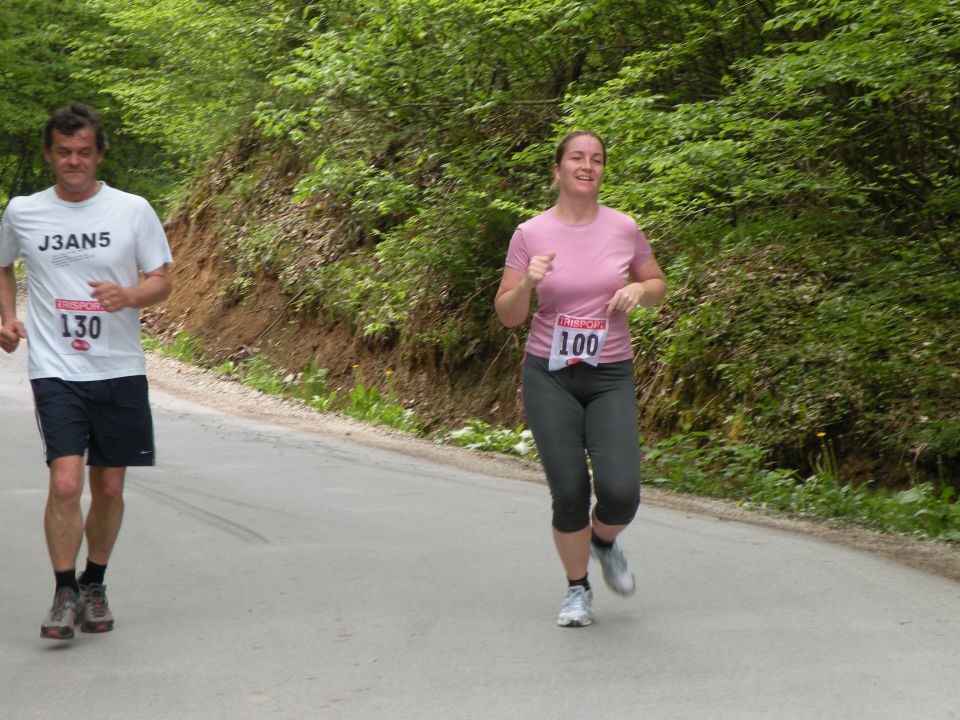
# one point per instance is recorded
(577, 607)
(59, 622)
(616, 570)
(95, 616)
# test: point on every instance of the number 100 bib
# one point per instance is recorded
(577, 340)
(83, 327)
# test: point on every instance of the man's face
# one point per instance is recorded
(74, 159)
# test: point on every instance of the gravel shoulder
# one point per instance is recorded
(207, 388)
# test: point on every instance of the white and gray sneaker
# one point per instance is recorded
(616, 570)
(577, 607)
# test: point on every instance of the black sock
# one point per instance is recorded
(598, 542)
(583, 582)
(67, 579)
(93, 575)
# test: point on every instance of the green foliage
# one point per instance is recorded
(227, 367)
(308, 385)
(368, 404)
(412, 109)
(183, 347)
(706, 463)
(260, 374)
(362, 402)
(794, 161)
(172, 79)
(37, 74)
(850, 105)
(371, 192)
(479, 435)
(798, 338)
(187, 73)
(252, 248)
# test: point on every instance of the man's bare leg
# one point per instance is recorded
(106, 512)
(63, 519)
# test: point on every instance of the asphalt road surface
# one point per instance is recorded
(268, 573)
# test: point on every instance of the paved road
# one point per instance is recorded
(265, 573)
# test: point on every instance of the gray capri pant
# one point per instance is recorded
(578, 411)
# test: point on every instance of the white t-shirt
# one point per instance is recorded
(112, 236)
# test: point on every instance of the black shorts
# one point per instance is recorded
(110, 418)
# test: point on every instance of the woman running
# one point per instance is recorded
(590, 266)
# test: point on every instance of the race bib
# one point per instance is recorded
(577, 340)
(83, 327)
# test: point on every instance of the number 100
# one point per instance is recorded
(591, 342)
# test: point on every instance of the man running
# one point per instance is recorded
(93, 256)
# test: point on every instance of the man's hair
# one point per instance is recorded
(71, 119)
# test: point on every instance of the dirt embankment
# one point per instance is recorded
(264, 321)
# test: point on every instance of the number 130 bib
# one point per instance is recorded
(83, 328)
(577, 340)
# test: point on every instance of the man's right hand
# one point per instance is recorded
(11, 334)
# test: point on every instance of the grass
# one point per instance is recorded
(183, 348)
(706, 463)
(367, 403)
(370, 405)
(702, 463)
(479, 435)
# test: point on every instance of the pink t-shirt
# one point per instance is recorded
(592, 262)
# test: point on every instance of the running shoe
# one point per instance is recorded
(59, 622)
(577, 607)
(616, 570)
(94, 612)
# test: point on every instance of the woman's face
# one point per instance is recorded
(580, 171)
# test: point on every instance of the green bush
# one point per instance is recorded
(479, 435)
